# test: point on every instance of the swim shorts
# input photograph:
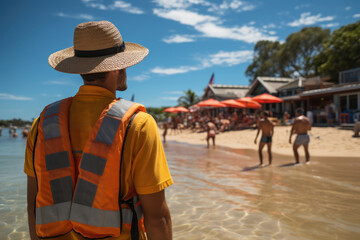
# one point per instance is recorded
(302, 139)
(266, 139)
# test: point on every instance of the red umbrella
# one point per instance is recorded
(211, 103)
(249, 103)
(182, 109)
(170, 110)
(233, 103)
(266, 98)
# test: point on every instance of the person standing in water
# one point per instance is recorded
(301, 126)
(267, 128)
(211, 132)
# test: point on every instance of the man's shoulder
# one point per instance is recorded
(142, 119)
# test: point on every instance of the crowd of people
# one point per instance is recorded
(213, 124)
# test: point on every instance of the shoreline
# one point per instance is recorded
(325, 141)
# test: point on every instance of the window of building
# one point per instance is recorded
(343, 103)
(353, 102)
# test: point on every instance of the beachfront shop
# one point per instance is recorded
(344, 100)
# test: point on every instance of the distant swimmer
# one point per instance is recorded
(301, 126)
(211, 132)
(15, 135)
(0, 130)
(267, 128)
(25, 132)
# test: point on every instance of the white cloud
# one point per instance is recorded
(221, 58)
(228, 58)
(302, 6)
(126, 7)
(59, 82)
(180, 4)
(308, 19)
(172, 71)
(235, 5)
(252, 23)
(272, 32)
(6, 96)
(76, 16)
(184, 16)
(120, 5)
(356, 15)
(348, 8)
(140, 77)
(330, 25)
(271, 25)
(178, 39)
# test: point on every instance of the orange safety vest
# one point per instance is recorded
(90, 203)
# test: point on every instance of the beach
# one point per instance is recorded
(325, 141)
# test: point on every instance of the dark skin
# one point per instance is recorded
(267, 128)
(301, 126)
(157, 219)
(211, 133)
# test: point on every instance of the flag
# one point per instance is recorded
(133, 98)
(211, 82)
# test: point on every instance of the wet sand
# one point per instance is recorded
(221, 194)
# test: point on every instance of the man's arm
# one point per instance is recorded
(292, 131)
(31, 195)
(157, 219)
(257, 134)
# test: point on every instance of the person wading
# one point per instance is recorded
(301, 126)
(267, 128)
(95, 164)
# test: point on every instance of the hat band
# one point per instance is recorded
(101, 52)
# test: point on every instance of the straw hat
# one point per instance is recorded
(98, 47)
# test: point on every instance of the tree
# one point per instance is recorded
(265, 62)
(297, 53)
(340, 52)
(190, 98)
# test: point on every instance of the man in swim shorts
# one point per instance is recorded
(301, 126)
(211, 132)
(267, 128)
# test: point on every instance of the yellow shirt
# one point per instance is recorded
(144, 163)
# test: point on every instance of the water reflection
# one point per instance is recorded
(222, 194)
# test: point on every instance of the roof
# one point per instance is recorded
(289, 98)
(304, 82)
(227, 91)
(272, 84)
(334, 89)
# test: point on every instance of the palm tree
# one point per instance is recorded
(190, 98)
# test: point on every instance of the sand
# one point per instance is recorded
(325, 141)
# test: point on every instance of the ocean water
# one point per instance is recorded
(221, 194)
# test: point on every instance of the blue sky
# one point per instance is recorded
(188, 41)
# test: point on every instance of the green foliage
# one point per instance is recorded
(265, 62)
(341, 51)
(190, 98)
(15, 122)
(294, 56)
(297, 53)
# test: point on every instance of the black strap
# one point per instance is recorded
(35, 140)
(101, 52)
(130, 203)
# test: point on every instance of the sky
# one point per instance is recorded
(188, 41)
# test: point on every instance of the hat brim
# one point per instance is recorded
(65, 61)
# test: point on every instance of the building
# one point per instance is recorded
(268, 85)
(224, 92)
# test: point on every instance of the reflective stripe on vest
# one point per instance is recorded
(61, 187)
(82, 210)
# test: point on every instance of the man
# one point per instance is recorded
(95, 164)
(301, 126)
(211, 131)
(267, 128)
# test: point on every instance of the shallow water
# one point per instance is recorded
(221, 194)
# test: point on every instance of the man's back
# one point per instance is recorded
(302, 125)
(266, 126)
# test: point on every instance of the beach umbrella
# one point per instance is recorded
(233, 103)
(194, 108)
(170, 110)
(211, 103)
(181, 109)
(249, 103)
(266, 98)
